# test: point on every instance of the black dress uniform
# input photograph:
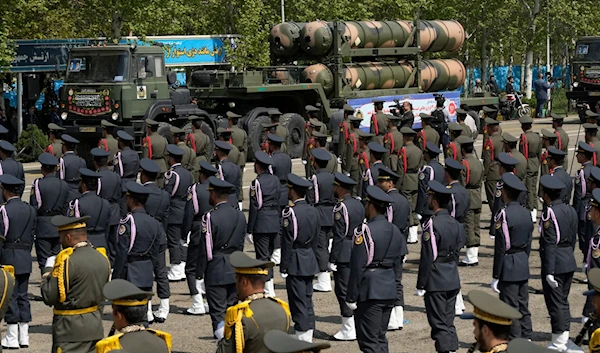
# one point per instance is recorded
(177, 182)
(299, 233)
(433, 170)
(17, 228)
(443, 237)
(69, 165)
(110, 188)
(512, 247)
(592, 260)
(194, 212)
(592, 295)
(398, 213)
(138, 242)
(90, 204)
(49, 197)
(229, 172)
(321, 197)
(560, 172)
(8, 165)
(263, 217)
(558, 227)
(508, 163)
(348, 215)
(282, 166)
(460, 198)
(377, 247)
(127, 165)
(371, 174)
(223, 230)
(582, 194)
(134, 337)
(158, 206)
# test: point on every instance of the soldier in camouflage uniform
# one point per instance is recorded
(55, 146)
(492, 146)
(280, 130)
(362, 158)
(108, 141)
(199, 143)
(453, 149)
(379, 121)
(393, 142)
(239, 139)
(410, 161)
(490, 113)
(179, 141)
(510, 147)
(530, 145)
(562, 138)
(427, 133)
(548, 140)
(591, 130)
(155, 148)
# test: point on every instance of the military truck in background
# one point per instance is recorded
(319, 63)
(585, 74)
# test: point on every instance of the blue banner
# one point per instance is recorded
(192, 50)
(44, 55)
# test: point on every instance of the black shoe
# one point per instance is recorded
(11, 348)
(159, 320)
(23, 346)
(463, 264)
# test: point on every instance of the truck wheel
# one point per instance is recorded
(255, 134)
(164, 130)
(295, 125)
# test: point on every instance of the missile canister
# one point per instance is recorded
(436, 36)
(377, 34)
(316, 38)
(284, 38)
(442, 74)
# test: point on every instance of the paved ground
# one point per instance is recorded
(193, 334)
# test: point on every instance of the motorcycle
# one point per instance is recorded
(512, 107)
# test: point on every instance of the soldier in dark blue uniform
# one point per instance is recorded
(228, 170)
(176, 183)
(158, 206)
(281, 167)
(8, 164)
(376, 151)
(321, 197)
(593, 256)
(398, 213)
(299, 234)
(138, 242)
(90, 204)
(438, 279)
(432, 170)
(460, 198)
(194, 212)
(69, 165)
(127, 165)
(49, 197)
(377, 247)
(264, 221)
(511, 254)
(507, 164)
(555, 160)
(223, 230)
(17, 229)
(348, 214)
(582, 192)
(558, 230)
(110, 188)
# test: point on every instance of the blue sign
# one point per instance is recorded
(44, 55)
(421, 103)
(192, 50)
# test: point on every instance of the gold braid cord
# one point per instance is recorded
(595, 342)
(233, 321)
(165, 336)
(499, 348)
(58, 272)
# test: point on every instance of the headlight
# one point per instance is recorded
(575, 84)
(115, 116)
(64, 115)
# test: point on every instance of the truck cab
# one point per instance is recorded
(585, 71)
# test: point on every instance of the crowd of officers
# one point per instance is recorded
(355, 225)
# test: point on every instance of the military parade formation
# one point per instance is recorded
(102, 230)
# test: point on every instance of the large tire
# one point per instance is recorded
(295, 125)
(255, 134)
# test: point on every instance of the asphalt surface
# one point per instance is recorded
(194, 333)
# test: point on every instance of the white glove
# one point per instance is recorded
(304, 162)
(495, 286)
(419, 217)
(339, 160)
(283, 275)
(249, 239)
(183, 243)
(551, 281)
(50, 261)
(359, 198)
(420, 292)
(332, 267)
(352, 306)
(220, 332)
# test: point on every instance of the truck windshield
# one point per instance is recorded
(98, 67)
(587, 51)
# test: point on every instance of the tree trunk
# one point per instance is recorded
(116, 26)
(490, 63)
(523, 69)
(533, 13)
(483, 57)
(528, 71)
(565, 53)
(510, 65)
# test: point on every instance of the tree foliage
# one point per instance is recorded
(498, 31)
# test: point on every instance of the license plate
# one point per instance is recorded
(87, 129)
(594, 94)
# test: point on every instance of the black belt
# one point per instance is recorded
(50, 213)
(532, 155)
(224, 250)
(21, 246)
(564, 245)
(136, 258)
(381, 266)
(158, 157)
(472, 186)
(515, 250)
(446, 259)
(199, 154)
(270, 207)
(73, 181)
(412, 171)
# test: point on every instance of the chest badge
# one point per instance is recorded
(358, 239)
(338, 216)
(426, 236)
(286, 223)
(122, 230)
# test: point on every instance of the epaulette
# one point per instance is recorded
(111, 343)
(10, 269)
(165, 336)
(59, 270)
(233, 321)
